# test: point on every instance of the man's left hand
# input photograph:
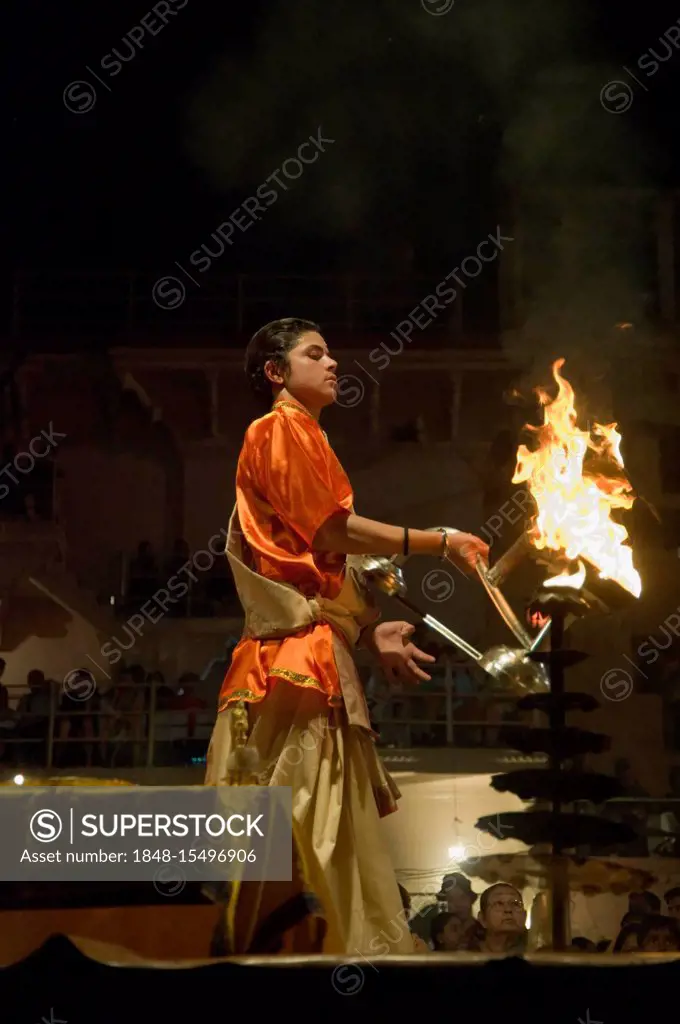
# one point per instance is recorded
(398, 657)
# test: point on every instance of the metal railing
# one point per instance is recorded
(456, 721)
(142, 737)
(443, 718)
(119, 303)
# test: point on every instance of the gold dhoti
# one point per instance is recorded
(340, 790)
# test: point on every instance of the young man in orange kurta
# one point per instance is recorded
(292, 530)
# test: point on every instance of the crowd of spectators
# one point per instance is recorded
(139, 717)
(450, 924)
(645, 928)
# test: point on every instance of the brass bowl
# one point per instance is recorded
(514, 671)
(381, 573)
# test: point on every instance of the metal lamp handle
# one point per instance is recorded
(503, 608)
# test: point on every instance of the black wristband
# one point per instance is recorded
(405, 551)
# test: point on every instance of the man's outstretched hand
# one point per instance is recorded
(398, 657)
(464, 549)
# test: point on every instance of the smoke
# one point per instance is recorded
(565, 167)
(492, 104)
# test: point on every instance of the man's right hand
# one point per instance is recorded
(464, 549)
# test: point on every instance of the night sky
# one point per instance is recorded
(434, 117)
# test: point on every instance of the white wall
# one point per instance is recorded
(57, 656)
(436, 816)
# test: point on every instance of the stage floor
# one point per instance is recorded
(84, 982)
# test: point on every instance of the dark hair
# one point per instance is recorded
(405, 898)
(629, 929)
(272, 343)
(583, 944)
(650, 898)
(657, 922)
(438, 925)
(457, 879)
(672, 894)
(486, 895)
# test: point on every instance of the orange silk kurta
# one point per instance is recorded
(288, 483)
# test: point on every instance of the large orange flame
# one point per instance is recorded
(577, 478)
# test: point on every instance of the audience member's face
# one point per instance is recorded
(659, 940)
(505, 911)
(450, 937)
(673, 907)
(458, 902)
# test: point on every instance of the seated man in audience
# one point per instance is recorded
(503, 918)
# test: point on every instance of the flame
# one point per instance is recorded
(577, 478)
(575, 580)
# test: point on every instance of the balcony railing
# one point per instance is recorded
(150, 736)
(126, 305)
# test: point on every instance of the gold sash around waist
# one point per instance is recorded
(274, 610)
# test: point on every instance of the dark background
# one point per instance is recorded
(421, 158)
